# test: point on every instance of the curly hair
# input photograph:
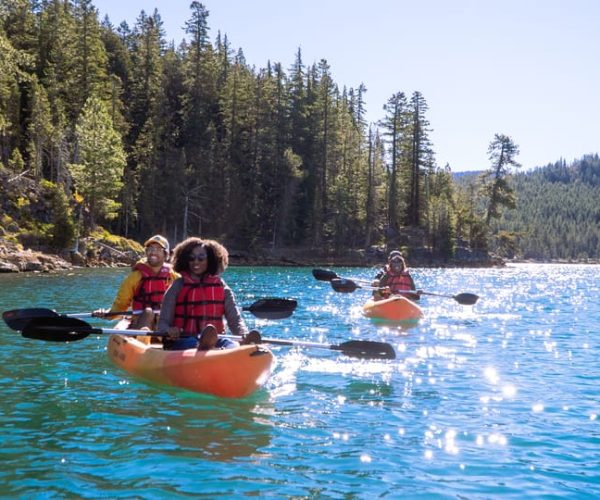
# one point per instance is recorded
(217, 255)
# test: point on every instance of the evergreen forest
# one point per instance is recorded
(558, 212)
(129, 132)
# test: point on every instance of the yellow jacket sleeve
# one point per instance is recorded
(124, 297)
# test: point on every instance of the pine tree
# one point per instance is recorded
(90, 56)
(15, 67)
(375, 186)
(495, 182)
(394, 127)
(420, 157)
(100, 161)
(39, 130)
(144, 92)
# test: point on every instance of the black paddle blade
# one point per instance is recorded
(366, 349)
(58, 329)
(272, 308)
(17, 319)
(343, 285)
(466, 299)
(324, 275)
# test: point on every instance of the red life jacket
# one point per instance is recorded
(152, 286)
(200, 303)
(400, 282)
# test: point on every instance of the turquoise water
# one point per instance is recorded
(497, 399)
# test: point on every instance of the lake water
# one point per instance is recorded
(498, 399)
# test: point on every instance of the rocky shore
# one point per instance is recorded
(14, 258)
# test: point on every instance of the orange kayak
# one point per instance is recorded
(396, 309)
(228, 373)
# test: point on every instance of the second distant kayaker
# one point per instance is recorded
(395, 279)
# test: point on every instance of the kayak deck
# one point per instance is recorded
(394, 309)
(230, 373)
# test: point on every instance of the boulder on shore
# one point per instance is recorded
(14, 259)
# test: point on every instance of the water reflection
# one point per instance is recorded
(184, 425)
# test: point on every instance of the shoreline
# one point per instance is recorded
(15, 259)
(19, 261)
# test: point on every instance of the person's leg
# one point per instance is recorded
(208, 338)
(180, 344)
(143, 321)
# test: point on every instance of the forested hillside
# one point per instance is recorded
(558, 211)
(145, 136)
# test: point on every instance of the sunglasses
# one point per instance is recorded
(199, 258)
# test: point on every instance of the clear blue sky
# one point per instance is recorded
(525, 68)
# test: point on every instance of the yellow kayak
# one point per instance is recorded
(394, 309)
(228, 373)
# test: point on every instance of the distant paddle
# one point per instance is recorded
(345, 285)
(324, 275)
(466, 299)
(65, 329)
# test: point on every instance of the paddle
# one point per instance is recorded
(65, 329)
(326, 275)
(466, 299)
(345, 285)
(17, 319)
(272, 308)
(269, 308)
(366, 349)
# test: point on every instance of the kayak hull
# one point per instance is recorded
(227, 373)
(393, 309)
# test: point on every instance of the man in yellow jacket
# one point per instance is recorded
(143, 289)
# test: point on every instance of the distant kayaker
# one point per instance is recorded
(143, 289)
(395, 279)
(195, 305)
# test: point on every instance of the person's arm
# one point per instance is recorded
(384, 292)
(124, 297)
(235, 322)
(167, 308)
(411, 281)
(378, 277)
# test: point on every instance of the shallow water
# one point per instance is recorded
(497, 399)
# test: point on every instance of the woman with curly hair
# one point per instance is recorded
(194, 306)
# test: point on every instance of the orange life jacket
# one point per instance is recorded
(397, 283)
(200, 303)
(152, 286)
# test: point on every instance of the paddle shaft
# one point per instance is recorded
(298, 343)
(65, 329)
(108, 314)
(267, 308)
(438, 295)
(345, 285)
